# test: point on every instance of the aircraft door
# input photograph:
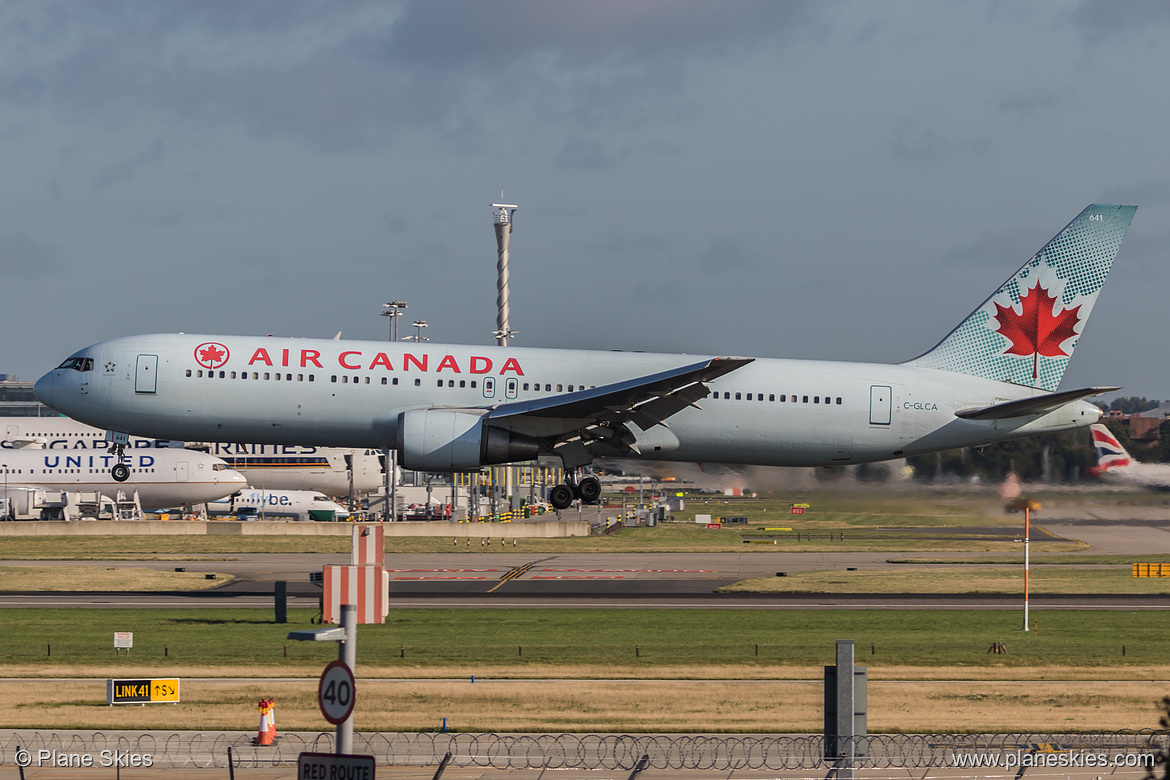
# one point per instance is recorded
(881, 402)
(145, 375)
(489, 387)
(510, 388)
(181, 474)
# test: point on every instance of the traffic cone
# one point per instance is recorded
(272, 720)
(263, 735)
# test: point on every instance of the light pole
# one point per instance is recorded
(346, 637)
(418, 336)
(392, 310)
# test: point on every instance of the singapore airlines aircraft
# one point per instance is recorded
(163, 477)
(458, 408)
(1116, 465)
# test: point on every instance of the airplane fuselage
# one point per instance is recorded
(162, 477)
(350, 393)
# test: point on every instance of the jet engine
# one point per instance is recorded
(437, 440)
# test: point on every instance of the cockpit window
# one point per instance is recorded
(219, 467)
(78, 364)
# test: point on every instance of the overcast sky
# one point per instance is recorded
(839, 180)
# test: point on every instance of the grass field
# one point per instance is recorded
(1041, 580)
(110, 579)
(591, 706)
(505, 642)
(596, 670)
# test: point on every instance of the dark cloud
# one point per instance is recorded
(1036, 101)
(926, 147)
(498, 34)
(588, 154)
(1099, 20)
(725, 254)
(354, 75)
(24, 258)
(628, 244)
(1006, 250)
(1147, 194)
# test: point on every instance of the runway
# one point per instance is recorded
(514, 579)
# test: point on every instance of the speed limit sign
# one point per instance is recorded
(335, 692)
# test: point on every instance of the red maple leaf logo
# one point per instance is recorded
(211, 354)
(1037, 329)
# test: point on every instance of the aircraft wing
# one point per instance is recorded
(573, 422)
(1038, 404)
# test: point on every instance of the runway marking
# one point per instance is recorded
(519, 571)
(443, 570)
(582, 577)
(644, 571)
(460, 579)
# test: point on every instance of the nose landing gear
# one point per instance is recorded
(120, 472)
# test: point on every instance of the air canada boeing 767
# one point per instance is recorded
(458, 408)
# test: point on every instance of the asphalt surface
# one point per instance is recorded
(620, 580)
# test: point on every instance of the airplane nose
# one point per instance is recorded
(43, 389)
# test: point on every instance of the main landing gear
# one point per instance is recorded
(120, 472)
(588, 489)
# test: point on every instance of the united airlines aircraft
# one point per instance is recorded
(459, 408)
(163, 478)
(276, 466)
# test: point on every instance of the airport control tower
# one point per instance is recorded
(503, 215)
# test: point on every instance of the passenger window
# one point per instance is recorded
(838, 400)
(816, 399)
(739, 396)
(806, 399)
(417, 382)
(772, 397)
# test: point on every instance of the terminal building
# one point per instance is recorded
(17, 399)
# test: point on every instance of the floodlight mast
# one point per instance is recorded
(504, 214)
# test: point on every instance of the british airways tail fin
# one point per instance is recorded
(1027, 330)
(1110, 453)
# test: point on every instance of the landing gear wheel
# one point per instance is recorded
(589, 490)
(560, 496)
(120, 472)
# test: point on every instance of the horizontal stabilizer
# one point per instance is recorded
(1038, 404)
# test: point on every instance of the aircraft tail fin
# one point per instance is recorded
(1110, 453)
(1025, 333)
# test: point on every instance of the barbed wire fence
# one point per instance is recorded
(708, 752)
